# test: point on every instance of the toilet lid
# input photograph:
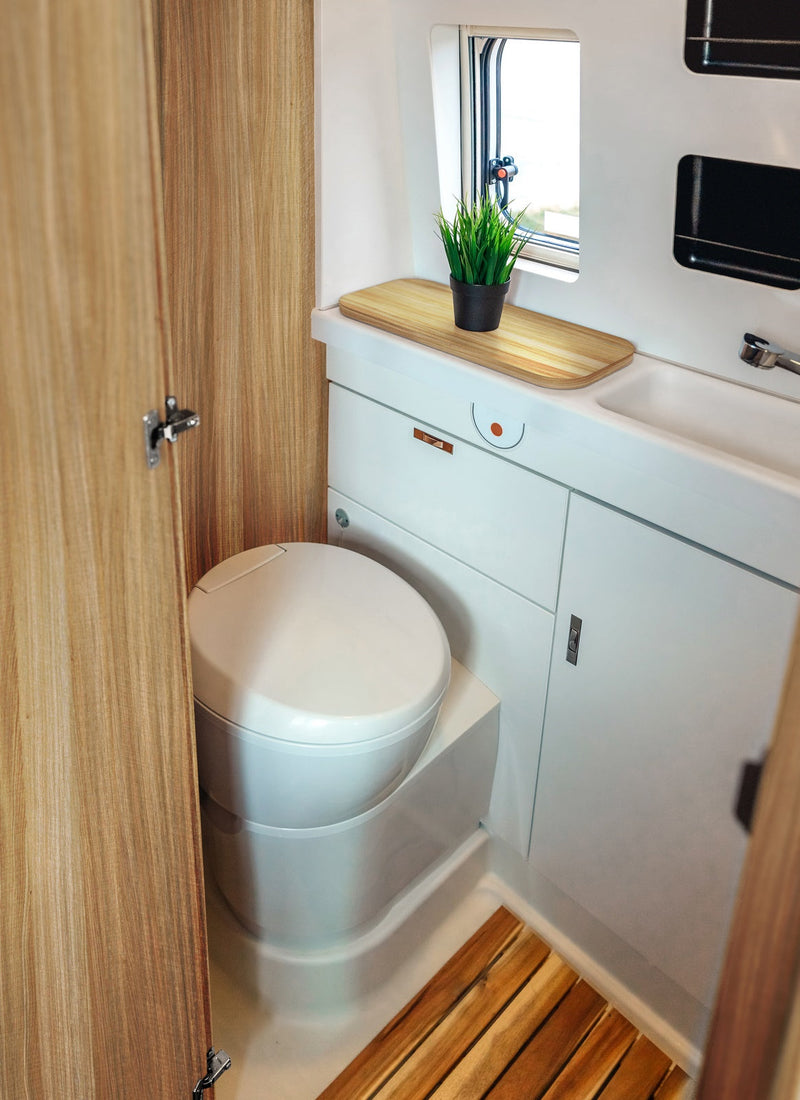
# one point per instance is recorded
(315, 644)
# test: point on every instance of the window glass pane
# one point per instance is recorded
(540, 117)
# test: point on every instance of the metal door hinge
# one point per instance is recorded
(217, 1062)
(156, 430)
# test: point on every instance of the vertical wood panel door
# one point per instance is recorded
(103, 968)
(237, 95)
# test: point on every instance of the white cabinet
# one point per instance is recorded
(480, 538)
(679, 670)
(487, 512)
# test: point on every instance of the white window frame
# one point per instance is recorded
(541, 247)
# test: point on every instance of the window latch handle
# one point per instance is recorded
(502, 169)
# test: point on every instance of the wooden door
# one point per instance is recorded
(753, 1050)
(103, 971)
(237, 109)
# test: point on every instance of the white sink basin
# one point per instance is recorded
(745, 423)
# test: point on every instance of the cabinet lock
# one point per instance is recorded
(574, 639)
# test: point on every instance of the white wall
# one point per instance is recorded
(642, 109)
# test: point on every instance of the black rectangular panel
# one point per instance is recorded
(739, 219)
(744, 37)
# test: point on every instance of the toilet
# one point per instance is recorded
(318, 676)
(333, 787)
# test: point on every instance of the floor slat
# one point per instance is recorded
(507, 1019)
(595, 1059)
(504, 1038)
(409, 1027)
(433, 1059)
(642, 1070)
(676, 1086)
(537, 1065)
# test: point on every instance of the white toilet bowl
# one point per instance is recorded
(318, 676)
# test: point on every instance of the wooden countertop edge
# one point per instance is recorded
(477, 347)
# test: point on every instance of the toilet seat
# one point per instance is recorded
(318, 677)
(312, 644)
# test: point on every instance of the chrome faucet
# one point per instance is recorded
(764, 355)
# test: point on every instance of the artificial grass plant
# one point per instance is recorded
(479, 242)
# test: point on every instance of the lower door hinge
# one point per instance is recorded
(217, 1061)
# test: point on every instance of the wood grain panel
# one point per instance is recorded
(532, 346)
(238, 151)
(541, 1060)
(787, 1079)
(102, 971)
(758, 990)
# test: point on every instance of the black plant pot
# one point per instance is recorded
(476, 307)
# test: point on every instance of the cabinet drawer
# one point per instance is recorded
(484, 510)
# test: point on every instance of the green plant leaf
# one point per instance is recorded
(479, 242)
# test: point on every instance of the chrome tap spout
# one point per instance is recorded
(762, 354)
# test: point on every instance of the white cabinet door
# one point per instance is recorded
(677, 680)
(500, 637)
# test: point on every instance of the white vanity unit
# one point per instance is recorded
(624, 579)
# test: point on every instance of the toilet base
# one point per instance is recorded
(312, 898)
(304, 984)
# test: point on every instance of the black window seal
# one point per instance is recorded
(488, 65)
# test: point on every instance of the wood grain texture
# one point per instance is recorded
(505, 1018)
(642, 1070)
(538, 349)
(595, 1060)
(237, 127)
(543, 1057)
(786, 1085)
(102, 972)
(423, 1069)
(675, 1086)
(505, 1036)
(416, 1021)
(758, 991)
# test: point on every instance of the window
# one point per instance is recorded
(520, 133)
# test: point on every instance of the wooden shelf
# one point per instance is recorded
(531, 346)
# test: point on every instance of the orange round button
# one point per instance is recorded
(496, 427)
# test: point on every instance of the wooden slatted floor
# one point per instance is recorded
(506, 1019)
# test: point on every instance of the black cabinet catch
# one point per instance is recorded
(749, 780)
(574, 639)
